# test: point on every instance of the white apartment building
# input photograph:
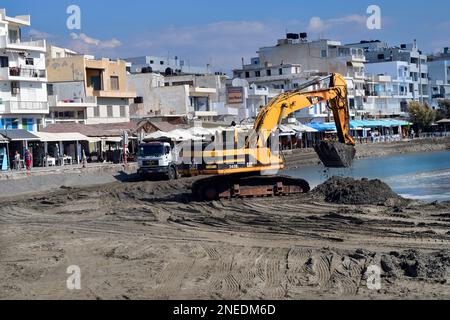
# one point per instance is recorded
(23, 77)
(394, 76)
(439, 77)
(196, 97)
(165, 65)
(295, 60)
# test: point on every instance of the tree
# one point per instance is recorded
(421, 115)
(444, 110)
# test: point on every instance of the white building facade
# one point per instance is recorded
(165, 65)
(394, 77)
(194, 96)
(439, 76)
(23, 77)
(295, 60)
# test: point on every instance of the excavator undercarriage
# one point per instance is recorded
(243, 186)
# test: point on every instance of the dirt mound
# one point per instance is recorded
(414, 264)
(359, 192)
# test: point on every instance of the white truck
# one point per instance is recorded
(157, 159)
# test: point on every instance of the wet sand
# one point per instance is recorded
(148, 240)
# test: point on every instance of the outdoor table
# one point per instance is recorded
(49, 161)
(67, 160)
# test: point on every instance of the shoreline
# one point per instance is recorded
(304, 157)
(47, 181)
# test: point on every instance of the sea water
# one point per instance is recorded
(422, 176)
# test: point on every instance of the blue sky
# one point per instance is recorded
(221, 32)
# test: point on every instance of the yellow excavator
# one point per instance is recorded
(250, 170)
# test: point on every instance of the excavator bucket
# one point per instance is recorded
(335, 154)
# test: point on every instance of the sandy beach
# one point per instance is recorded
(150, 240)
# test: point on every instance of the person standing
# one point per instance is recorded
(17, 161)
(28, 159)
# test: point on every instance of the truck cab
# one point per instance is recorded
(157, 158)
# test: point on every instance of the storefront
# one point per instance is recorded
(61, 148)
(19, 141)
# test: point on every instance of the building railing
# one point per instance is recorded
(27, 72)
(55, 100)
(18, 43)
(25, 106)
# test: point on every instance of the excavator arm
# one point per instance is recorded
(285, 104)
(330, 153)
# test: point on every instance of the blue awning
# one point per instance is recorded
(322, 127)
(355, 124)
(377, 123)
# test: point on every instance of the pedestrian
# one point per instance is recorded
(84, 159)
(17, 161)
(28, 159)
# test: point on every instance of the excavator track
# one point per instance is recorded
(238, 186)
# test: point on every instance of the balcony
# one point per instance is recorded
(110, 93)
(84, 102)
(23, 74)
(17, 44)
(24, 107)
(359, 57)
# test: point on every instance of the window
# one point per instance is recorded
(96, 83)
(161, 62)
(280, 71)
(27, 124)
(247, 74)
(269, 72)
(29, 61)
(11, 123)
(15, 88)
(257, 74)
(323, 53)
(152, 62)
(50, 90)
(58, 55)
(97, 112)
(110, 111)
(4, 63)
(14, 36)
(123, 113)
(114, 83)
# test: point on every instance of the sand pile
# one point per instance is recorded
(359, 192)
(416, 264)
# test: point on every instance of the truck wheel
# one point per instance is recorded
(172, 175)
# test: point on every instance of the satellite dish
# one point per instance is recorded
(138, 70)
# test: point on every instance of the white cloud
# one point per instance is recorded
(221, 44)
(316, 24)
(85, 39)
(37, 34)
